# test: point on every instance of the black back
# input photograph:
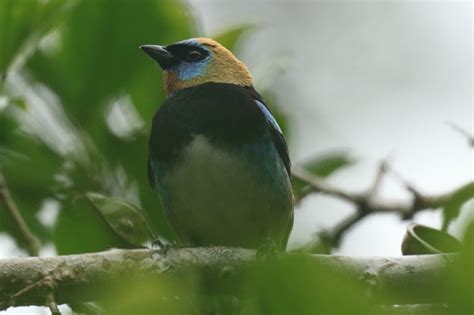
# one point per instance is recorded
(227, 114)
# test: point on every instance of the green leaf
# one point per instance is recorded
(462, 274)
(453, 205)
(424, 240)
(231, 37)
(327, 164)
(126, 220)
(7, 155)
(18, 102)
(80, 228)
(322, 166)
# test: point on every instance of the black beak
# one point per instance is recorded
(161, 55)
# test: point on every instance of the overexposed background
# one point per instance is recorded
(378, 78)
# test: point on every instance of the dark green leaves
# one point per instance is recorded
(86, 55)
(99, 52)
(124, 219)
(326, 164)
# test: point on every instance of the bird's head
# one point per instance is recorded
(196, 61)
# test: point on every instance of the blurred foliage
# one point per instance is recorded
(102, 60)
(325, 165)
(290, 285)
(23, 23)
(79, 100)
(424, 240)
(300, 287)
(81, 229)
(91, 65)
(453, 205)
(460, 285)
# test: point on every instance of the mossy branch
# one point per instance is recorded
(78, 278)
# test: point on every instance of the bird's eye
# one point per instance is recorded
(193, 55)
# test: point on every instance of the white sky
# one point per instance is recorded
(378, 78)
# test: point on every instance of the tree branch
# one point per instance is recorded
(367, 203)
(53, 307)
(334, 236)
(32, 242)
(463, 132)
(76, 278)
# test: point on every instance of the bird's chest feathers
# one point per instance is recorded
(221, 195)
(207, 174)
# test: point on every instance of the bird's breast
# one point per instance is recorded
(216, 196)
(207, 176)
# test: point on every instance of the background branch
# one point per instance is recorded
(31, 241)
(368, 203)
(466, 134)
(53, 307)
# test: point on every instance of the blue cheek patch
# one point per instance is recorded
(191, 70)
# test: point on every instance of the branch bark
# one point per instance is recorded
(76, 278)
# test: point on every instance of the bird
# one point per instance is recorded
(217, 157)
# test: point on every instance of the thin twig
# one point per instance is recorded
(374, 205)
(318, 184)
(378, 179)
(32, 242)
(332, 237)
(53, 307)
(469, 137)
